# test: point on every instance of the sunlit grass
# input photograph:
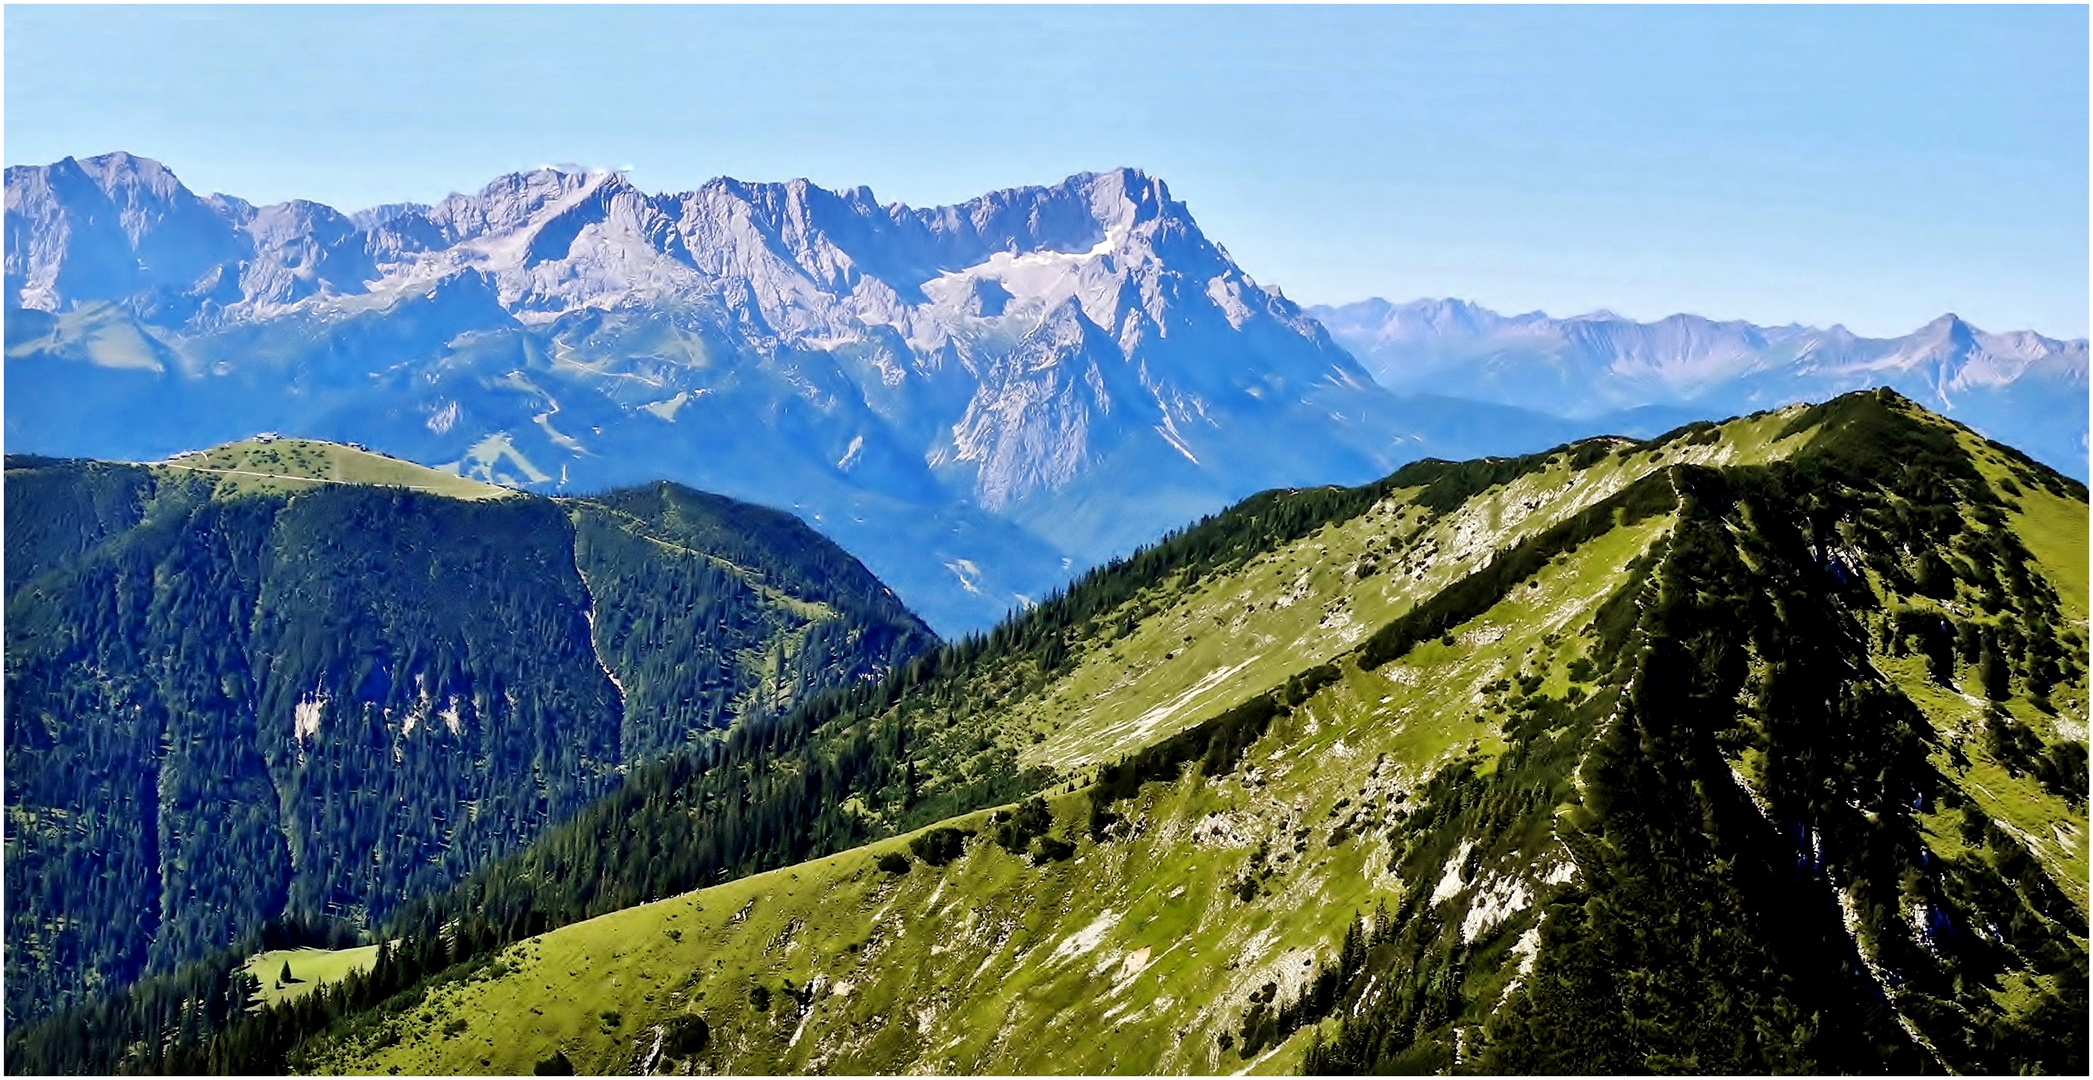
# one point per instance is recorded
(311, 968)
(288, 465)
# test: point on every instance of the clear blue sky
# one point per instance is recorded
(1872, 166)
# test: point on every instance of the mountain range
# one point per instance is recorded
(2026, 389)
(974, 398)
(978, 400)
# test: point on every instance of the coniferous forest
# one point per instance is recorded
(283, 716)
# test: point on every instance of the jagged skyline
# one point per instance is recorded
(1776, 166)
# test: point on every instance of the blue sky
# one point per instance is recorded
(1873, 166)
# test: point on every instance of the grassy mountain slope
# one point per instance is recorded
(284, 697)
(988, 720)
(1134, 954)
(1194, 647)
(1759, 747)
(1689, 744)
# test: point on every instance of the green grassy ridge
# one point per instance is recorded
(970, 727)
(2046, 512)
(2008, 589)
(1682, 949)
(264, 466)
(2052, 527)
(1325, 592)
(1621, 980)
(986, 939)
(2048, 517)
(1219, 740)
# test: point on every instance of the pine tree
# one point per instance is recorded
(1992, 671)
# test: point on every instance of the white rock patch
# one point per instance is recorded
(305, 716)
(1483, 635)
(1086, 939)
(1223, 830)
(1494, 902)
(1450, 882)
(1135, 963)
(1527, 949)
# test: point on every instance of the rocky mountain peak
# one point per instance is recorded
(126, 176)
(510, 202)
(1948, 332)
(108, 228)
(1127, 197)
